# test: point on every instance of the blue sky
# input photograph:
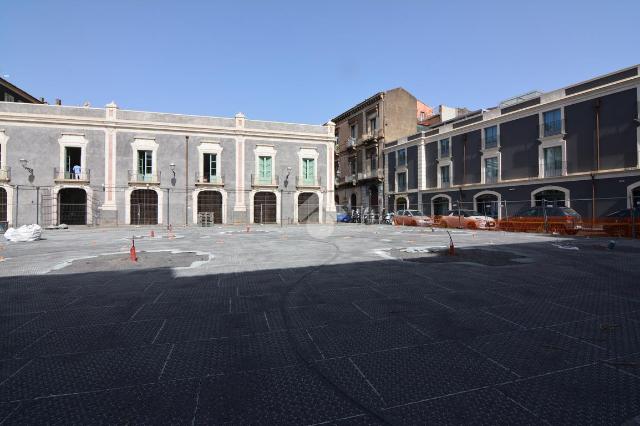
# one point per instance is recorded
(307, 61)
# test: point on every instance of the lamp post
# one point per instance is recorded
(172, 166)
(24, 163)
(284, 185)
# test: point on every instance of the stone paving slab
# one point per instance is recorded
(594, 394)
(307, 325)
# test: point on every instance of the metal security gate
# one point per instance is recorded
(144, 207)
(72, 206)
(3, 210)
(209, 207)
(488, 205)
(308, 208)
(264, 207)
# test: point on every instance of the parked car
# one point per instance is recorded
(412, 218)
(468, 219)
(343, 217)
(544, 219)
(620, 224)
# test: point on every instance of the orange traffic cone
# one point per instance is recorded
(452, 249)
(132, 252)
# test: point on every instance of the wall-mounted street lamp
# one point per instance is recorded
(285, 184)
(286, 178)
(172, 166)
(24, 163)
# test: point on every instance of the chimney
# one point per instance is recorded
(58, 101)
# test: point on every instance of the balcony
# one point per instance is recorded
(5, 174)
(265, 182)
(67, 176)
(490, 179)
(371, 174)
(314, 182)
(553, 170)
(208, 180)
(136, 178)
(551, 128)
(368, 137)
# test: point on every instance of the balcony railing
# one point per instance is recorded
(135, 177)
(491, 142)
(371, 174)
(553, 170)
(268, 181)
(369, 136)
(490, 179)
(70, 176)
(5, 174)
(314, 182)
(445, 184)
(551, 128)
(202, 179)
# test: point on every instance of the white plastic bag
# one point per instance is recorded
(24, 233)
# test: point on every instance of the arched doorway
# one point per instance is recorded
(264, 207)
(353, 201)
(373, 197)
(308, 208)
(440, 206)
(72, 206)
(488, 205)
(550, 197)
(209, 207)
(144, 207)
(401, 203)
(3, 205)
(635, 196)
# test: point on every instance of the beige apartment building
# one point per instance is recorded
(361, 132)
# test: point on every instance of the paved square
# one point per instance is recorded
(346, 324)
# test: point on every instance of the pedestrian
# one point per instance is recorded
(76, 171)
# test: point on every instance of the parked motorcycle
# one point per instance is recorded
(388, 218)
(356, 216)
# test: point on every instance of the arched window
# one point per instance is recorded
(440, 204)
(551, 197)
(401, 203)
(487, 203)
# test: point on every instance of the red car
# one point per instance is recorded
(468, 219)
(412, 218)
(562, 220)
(620, 223)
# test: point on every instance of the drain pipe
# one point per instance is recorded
(593, 199)
(597, 109)
(186, 181)
(17, 204)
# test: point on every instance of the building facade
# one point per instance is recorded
(11, 93)
(360, 134)
(107, 166)
(578, 146)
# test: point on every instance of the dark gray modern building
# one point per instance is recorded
(578, 146)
